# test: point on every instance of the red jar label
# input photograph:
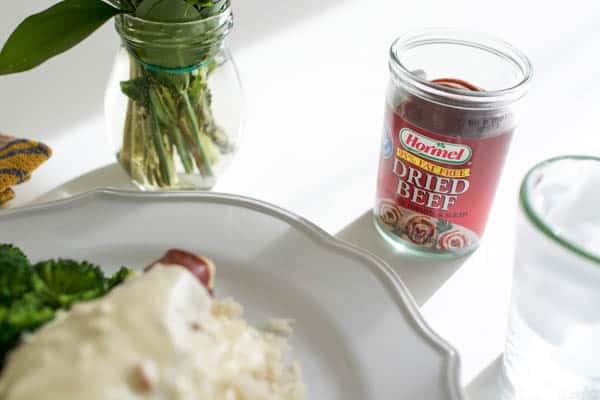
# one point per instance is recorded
(436, 190)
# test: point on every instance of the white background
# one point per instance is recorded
(314, 73)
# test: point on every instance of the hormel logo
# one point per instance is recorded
(435, 150)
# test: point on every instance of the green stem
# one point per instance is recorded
(182, 150)
(124, 157)
(165, 162)
(191, 115)
(126, 153)
(201, 99)
(216, 134)
(146, 150)
(166, 110)
(189, 139)
(136, 144)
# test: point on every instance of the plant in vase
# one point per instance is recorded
(164, 118)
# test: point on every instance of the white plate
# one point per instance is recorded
(358, 335)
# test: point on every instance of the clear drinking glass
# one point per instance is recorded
(553, 344)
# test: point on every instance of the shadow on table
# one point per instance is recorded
(487, 385)
(109, 176)
(422, 276)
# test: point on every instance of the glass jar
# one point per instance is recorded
(173, 104)
(451, 110)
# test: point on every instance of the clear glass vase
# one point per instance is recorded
(173, 104)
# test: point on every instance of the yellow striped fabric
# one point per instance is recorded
(18, 159)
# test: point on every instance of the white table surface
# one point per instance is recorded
(314, 74)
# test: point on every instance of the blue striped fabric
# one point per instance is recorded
(18, 159)
(19, 173)
(12, 144)
(34, 150)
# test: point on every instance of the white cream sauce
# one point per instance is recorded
(158, 336)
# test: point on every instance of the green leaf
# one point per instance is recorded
(51, 32)
(137, 90)
(175, 82)
(179, 10)
(166, 11)
(208, 8)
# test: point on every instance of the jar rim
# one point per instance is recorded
(193, 42)
(205, 31)
(462, 98)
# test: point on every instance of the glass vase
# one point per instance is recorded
(173, 103)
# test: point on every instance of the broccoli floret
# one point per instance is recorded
(6, 248)
(9, 337)
(23, 316)
(119, 277)
(31, 295)
(60, 283)
(28, 313)
(15, 274)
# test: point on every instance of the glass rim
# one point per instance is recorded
(199, 33)
(465, 37)
(538, 221)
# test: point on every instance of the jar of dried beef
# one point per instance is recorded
(451, 110)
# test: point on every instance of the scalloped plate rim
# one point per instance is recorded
(403, 298)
